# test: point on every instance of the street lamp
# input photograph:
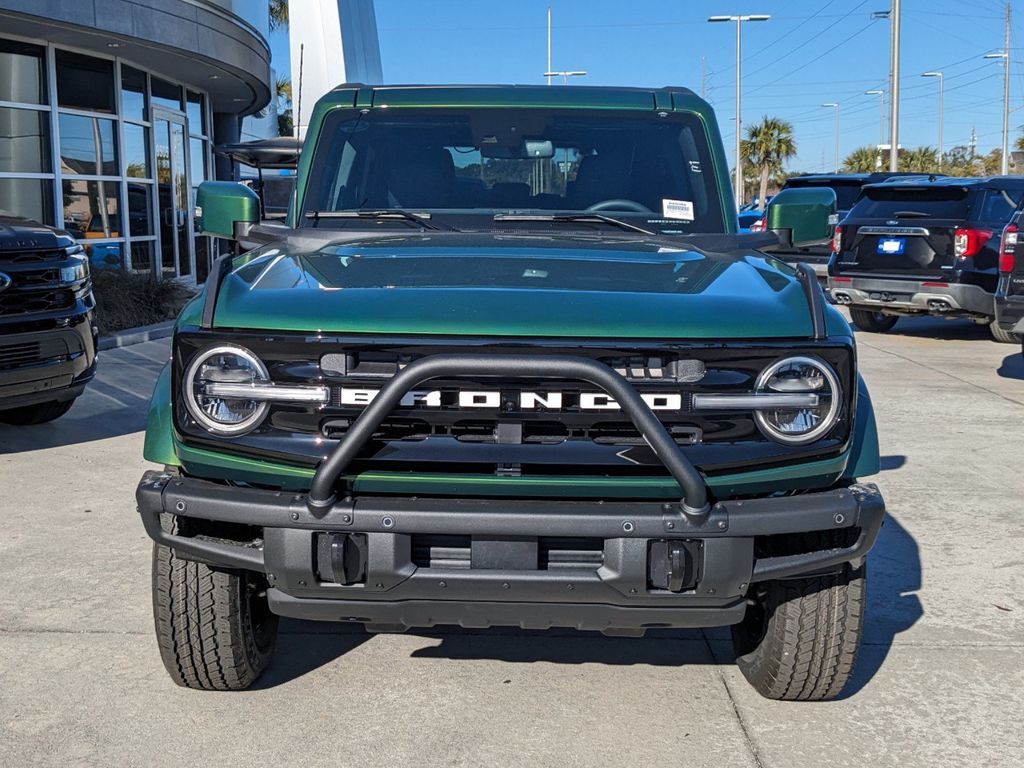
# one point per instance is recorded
(566, 74)
(941, 96)
(739, 121)
(881, 112)
(893, 15)
(835, 105)
(1005, 166)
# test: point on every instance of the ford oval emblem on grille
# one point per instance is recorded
(892, 222)
(5, 282)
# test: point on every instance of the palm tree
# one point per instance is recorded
(920, 160)
(861, 160)
(278, 14)
(767, 147)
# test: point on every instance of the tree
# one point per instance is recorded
(767, 147)
(920, 160)
(278, 14)
(861, 160)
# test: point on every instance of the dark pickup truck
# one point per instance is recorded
(47, 335)
(923, 248)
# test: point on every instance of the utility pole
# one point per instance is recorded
(972, 145)
(549, 46)
(942, 89)
(1005, 56)
(704, 77)
(739, 118)
(894, 86)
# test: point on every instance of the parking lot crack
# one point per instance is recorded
(751, 747)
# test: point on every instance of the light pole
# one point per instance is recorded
(894, 86)
(566, 74)
(549, 43)
(881, 112)
(942, 89)
(1005, 165)
(835, 105)
(739, 120)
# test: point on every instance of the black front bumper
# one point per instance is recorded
(53, 364)
(286, 541)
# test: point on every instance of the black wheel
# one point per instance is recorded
(214, 627)
(873, 322)
(37, 414)
(799, 640)
(1003, 337)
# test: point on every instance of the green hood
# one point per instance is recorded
(514, 285)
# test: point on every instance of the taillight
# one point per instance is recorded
(837, 239)
(758, 226)
(968, 241)
(1006, 249)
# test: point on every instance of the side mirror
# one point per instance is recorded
(802, 217)
(226, 209)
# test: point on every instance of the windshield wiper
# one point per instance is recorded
(911, 215)
(570, 217)
(419, 219)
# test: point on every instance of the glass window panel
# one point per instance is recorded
(140, 221)
(197, 159)
(22, 72)
(196, 113)
(84, 82)
(24, 141)
(91, 209)
(28, 198)
(133, 93)
(136, 151)
(87, 146)
(105, 255)
(142, 257)
(165, 94)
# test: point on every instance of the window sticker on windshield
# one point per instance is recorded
(677, 209)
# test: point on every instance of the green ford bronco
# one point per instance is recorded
(509, 363)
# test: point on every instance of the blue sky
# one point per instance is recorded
(810, 52)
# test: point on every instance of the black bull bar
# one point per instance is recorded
(694, 504)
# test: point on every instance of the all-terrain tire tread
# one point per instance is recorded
(199, 625)
(811, 642)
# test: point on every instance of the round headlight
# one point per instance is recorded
(799, 375)
(231, 365)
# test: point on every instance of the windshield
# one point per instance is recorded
(940, 202)
(466, 166)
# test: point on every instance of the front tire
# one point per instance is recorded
(872, 322)
(214, 627)
(36, 414)
(799, 641)
(1004, 337)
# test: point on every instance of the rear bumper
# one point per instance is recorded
(1010, 313)
(46, 366)
(500, 579)
(912, 296)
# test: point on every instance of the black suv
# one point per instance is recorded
(1009, 323)
(847, 187)
(914, 247)
(47, 335)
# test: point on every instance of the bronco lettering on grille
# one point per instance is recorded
(494, 400)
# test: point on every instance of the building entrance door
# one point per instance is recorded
(173, 187)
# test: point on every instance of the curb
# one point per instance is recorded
(137, 335)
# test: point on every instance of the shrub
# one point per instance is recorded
(128, 300)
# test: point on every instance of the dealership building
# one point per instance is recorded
(109, 110)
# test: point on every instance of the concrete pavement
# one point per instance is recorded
(940, 678)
